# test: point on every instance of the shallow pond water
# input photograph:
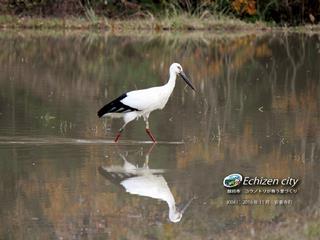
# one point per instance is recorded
(256, 111)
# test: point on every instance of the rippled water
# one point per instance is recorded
(256, 112)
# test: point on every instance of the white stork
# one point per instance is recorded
(134, 104)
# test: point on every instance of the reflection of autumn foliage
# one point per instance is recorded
(305, 123)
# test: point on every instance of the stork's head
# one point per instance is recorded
(176, 69)
(176, 213)
(175, 216)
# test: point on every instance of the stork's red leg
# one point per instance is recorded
(150, 135)
(119, 134)
(117, 137)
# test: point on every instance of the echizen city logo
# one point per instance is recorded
(233, 180)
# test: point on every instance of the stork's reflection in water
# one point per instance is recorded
(144, 181)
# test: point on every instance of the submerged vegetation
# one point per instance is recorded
(157, 15)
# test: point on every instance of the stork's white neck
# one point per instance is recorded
(174, 215)
(166, 90)
(172, 82)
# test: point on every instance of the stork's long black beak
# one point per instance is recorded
(187, 80)
(184, 208)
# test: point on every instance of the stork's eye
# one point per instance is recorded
(179, 68)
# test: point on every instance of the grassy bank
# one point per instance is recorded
(182, 22)
(280, 12)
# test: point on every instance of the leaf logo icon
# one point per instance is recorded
(232, 180)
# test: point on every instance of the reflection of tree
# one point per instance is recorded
(295, 64)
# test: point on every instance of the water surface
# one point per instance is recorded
(256, 112)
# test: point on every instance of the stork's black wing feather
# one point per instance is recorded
(116, 106)
(115, 177)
